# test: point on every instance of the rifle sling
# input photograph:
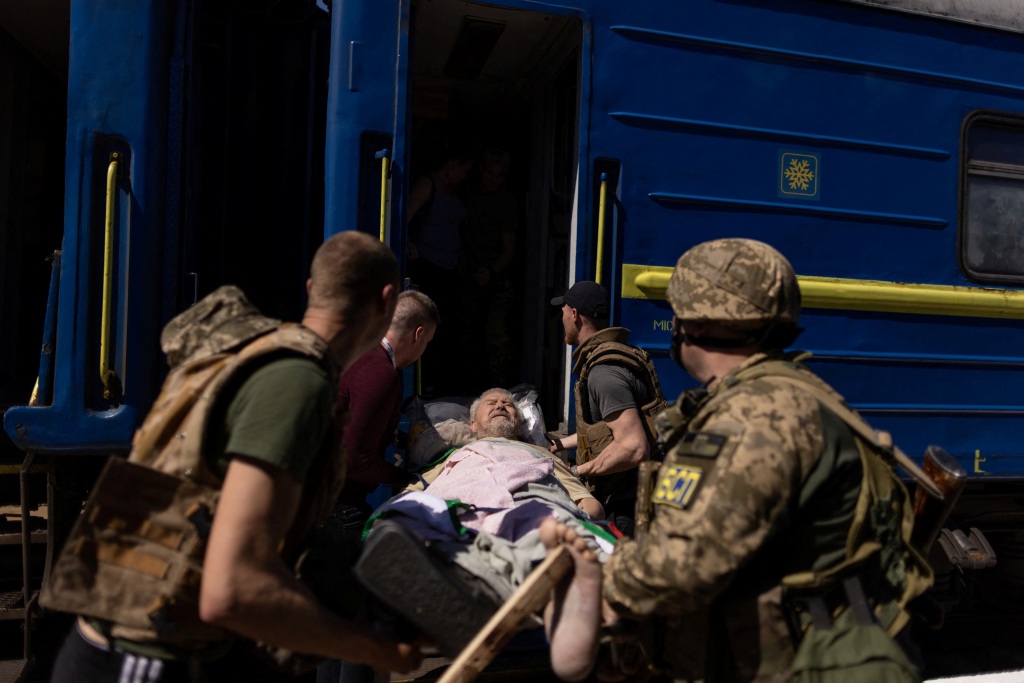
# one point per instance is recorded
(854, 422)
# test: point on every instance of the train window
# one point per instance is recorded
(992, 232)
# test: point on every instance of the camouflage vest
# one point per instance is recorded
(609, 346)
(878, 551)
(135, 559)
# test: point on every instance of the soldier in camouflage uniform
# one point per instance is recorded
(761, 481)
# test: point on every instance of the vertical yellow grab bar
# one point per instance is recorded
(383, 156)
(601, 208)
(108, 257)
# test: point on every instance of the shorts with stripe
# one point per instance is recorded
(82, 661)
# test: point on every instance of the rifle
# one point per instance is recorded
(646, 482)
(931, 512)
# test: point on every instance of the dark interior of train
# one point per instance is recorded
(508, 79)
(485, 76)
(251, 208)
(33, 103)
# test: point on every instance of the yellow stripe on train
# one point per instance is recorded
(649, 282)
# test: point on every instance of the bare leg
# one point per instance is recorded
(573, 618)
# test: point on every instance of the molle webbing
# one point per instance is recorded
(172, 436)
(880, 442)
(593, 437)
(883, 517)
(135, 556)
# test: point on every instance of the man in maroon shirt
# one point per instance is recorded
(372, 390)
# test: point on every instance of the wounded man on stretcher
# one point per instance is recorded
(445, 557)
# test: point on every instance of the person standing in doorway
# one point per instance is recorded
(436, 213)
(370, 391)
(488, 246)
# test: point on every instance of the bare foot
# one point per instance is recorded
(573, 617)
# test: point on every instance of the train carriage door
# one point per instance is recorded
(639, 105)
(502, 79)
(366, 117)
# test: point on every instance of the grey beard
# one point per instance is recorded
(504, 429)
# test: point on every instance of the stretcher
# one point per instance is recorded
(445, 604)
(447, 607)
(529, 598)
(419, 581)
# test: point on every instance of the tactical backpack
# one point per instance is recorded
(845, 633)
(135, 556)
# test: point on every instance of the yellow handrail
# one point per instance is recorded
(383, 156)
(601, 207)
(650, 282)
(108, 257)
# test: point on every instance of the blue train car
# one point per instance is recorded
(879, 144)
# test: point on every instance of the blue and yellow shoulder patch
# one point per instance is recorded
(677, 485)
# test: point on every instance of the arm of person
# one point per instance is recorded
(577, 491)
(591, 506)
(246, 587)
(741, 495)
(628, 448)
(420, 194)
(508, 250)
(566, 443)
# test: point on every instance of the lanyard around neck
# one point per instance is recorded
(389, 350)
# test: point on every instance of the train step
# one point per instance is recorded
(10, 670)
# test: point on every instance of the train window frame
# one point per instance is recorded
(975, 168)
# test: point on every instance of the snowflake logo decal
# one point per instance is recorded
(798, 175)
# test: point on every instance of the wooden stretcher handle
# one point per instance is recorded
(531, 596)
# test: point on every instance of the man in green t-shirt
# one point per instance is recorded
(265, 433)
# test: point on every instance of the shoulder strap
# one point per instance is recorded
(881, 487)
(881, 442)
(633, 357)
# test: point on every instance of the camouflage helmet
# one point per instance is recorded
(741, 283)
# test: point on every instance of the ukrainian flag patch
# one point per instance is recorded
(677, 485)
(701, 444)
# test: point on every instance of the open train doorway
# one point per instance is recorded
(498, 86)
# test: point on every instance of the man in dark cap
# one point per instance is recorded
(617, 397)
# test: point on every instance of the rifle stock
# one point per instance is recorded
(647, 479)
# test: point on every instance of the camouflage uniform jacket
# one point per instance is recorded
(760, 483)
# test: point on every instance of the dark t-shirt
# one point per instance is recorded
(488, 217)
(280, 415)
(612, 388)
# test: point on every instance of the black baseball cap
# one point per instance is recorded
(589, 298)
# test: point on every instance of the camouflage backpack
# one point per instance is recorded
(844, 635)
